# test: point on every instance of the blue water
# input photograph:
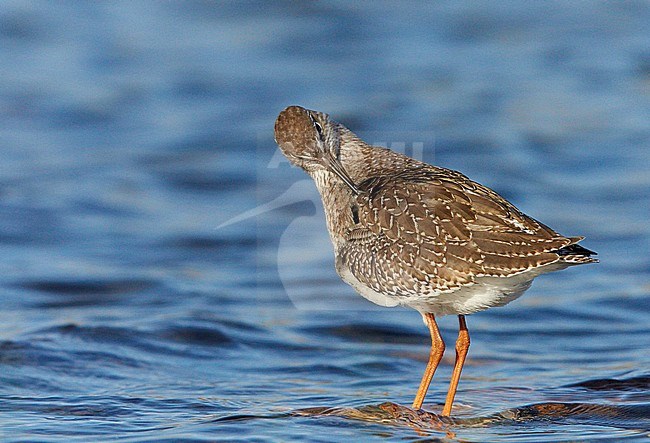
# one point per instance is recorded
(165, 275)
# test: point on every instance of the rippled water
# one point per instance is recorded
(165, 275)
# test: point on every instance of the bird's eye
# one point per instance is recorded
(319, 129)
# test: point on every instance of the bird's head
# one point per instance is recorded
(309, 139)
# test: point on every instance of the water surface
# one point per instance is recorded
(131, 132)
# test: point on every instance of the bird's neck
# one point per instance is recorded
(362, 161)
(337, 200)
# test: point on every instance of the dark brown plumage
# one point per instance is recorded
(408, 233)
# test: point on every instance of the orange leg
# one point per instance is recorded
(462, 345)
(437, 349)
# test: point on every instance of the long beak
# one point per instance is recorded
(337, 168)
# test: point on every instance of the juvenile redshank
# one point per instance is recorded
(408, 233)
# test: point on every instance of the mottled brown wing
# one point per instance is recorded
(445, 230)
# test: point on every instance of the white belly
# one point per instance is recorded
(486, 292)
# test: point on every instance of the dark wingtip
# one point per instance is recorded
(575, 249)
